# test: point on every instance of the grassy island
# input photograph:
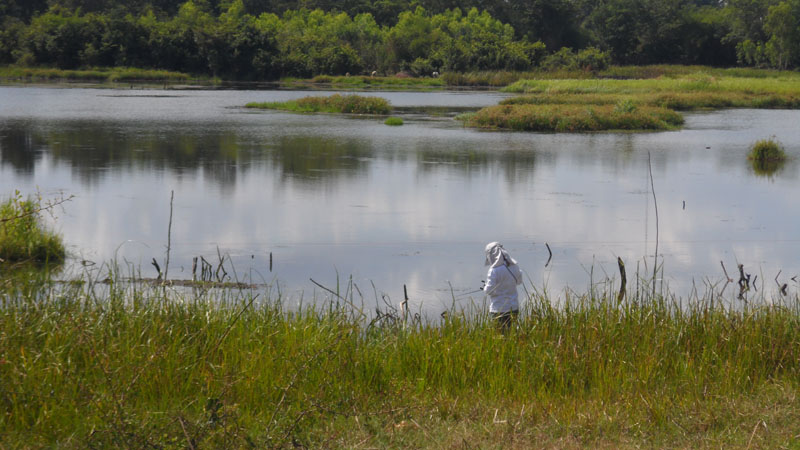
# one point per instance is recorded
(342, 104)
(632, 104)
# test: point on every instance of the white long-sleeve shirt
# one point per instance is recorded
(501, 287)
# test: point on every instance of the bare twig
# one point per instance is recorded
(727, 277)
(169, 234)
(550, 252)
(655, 205)
(623, 278)
(33, 212)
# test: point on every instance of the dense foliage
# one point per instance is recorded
(267, 39)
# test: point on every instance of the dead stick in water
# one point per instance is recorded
(169, 234)
(730, 280)
(623, 278)
(550, 252)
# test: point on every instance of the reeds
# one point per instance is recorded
(342, 104)
(120, 364)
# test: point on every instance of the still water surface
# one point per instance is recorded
(392, 206)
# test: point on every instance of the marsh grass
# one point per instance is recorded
(23, 236)
(112, 75)
(120, 364)
(649, 103)
(341, 104)
(394, 121)
(574, 118)
(365, 82)
(767, 156)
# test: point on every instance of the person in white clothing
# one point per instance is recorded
(501, 284)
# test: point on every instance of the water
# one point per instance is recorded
(337, 197)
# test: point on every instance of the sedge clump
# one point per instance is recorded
(767, 150)
(393, 121)
(23, 238)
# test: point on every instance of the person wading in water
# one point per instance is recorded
(501, 285)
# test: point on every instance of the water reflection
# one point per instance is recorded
(411, 205)
(314, 158)
(20, 147)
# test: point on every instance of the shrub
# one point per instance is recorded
(394, 121)
(22, 236)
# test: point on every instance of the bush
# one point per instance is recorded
(22, 236)
(394, 121)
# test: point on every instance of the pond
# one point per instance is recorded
(333, 197)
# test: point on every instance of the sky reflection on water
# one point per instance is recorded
(391, 206)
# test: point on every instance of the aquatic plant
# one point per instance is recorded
(767, 156)
(337, 103)
(23, 237)
(394, 121)
(767, 150)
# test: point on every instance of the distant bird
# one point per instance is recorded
(435, 74)
(374, 72)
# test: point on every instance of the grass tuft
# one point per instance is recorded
(23, 238)
(767, 157)
(767, 150)
(394, 121)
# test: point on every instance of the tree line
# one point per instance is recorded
(268, 39)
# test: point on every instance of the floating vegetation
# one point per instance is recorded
(767, 156)
(343, 104)
(394, 121)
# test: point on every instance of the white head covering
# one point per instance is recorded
(497, 256)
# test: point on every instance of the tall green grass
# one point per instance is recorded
(574, 118)
(117, 74)
(344, 104)
(23, 237)
(119, 364)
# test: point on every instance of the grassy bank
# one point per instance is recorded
(97, 75)
(365, 82)
(126, 365)
(341, 104)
